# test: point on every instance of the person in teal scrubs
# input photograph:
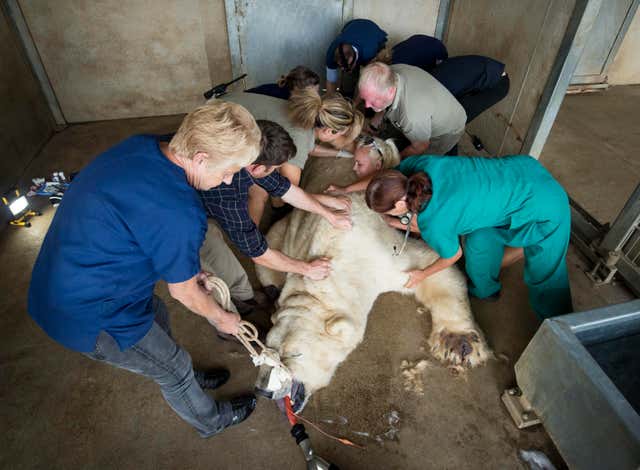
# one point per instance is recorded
(505, 207)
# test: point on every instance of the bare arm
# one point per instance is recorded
(360, 185)
(418, 275)
(195, 297)
(326, 151)
(297, 197)
(273, 259)
(416, 148)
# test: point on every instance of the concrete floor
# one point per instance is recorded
(61, 410)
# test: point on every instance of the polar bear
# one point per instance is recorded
(318, 323)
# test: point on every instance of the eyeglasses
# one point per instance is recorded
(367, 140)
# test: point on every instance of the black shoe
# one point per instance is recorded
(211, 380)
(247, 307)
(477, 143)
(244, 307)
(241, 409)
(278, 213)
(272, 292)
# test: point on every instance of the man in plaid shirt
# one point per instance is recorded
(228, 206)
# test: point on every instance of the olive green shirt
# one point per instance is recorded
(276, 110)
(423, 109)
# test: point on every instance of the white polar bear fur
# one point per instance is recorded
(318, 323)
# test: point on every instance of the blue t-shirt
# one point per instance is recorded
(127, 220)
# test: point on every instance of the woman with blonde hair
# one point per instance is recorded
(373, 154)
(333, 119)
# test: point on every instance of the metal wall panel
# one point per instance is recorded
(266, 39)
(602, 38)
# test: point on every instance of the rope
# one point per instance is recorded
(247, 334)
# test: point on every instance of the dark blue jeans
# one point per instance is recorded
(158, 357)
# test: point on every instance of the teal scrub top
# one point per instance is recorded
(470, 193)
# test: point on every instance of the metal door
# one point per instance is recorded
(604, 40)
(266, 39)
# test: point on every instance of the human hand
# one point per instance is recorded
(340, 220)
(318, 269)
(340, 202)
(416, 276)
(227, 322)
(336, 190)
(202, 278)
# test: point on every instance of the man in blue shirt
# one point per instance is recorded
(130, 218)
(228, 205)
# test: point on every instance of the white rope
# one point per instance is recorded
(247, 334)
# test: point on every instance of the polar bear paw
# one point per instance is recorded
(466, 349)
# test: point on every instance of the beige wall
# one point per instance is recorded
(625, 69)
(525, 35)
(114, 59)
(25, 120)
(400, 19)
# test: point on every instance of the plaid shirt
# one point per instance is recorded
(229, 206)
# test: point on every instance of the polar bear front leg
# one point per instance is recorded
(455, 337)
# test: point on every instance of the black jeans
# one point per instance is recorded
(477, 102)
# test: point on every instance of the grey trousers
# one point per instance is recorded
(217, 258)
(158, 357)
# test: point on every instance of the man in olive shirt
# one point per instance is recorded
(428, 115)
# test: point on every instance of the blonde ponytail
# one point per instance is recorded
(390, 156)
(304, 107)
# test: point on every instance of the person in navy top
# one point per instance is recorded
(357, 44)
(130, 218)
(419, 50)
(228, 205)
(298, 78)
(477, 82)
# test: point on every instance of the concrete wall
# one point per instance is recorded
(25, 120)
(625, 68)
(156, 57)
(113, 59)
(525, 35)
(400, 19)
